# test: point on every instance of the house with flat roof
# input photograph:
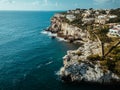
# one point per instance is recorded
(70, 17)
(115, 31)
(102, 16)
(112, 16)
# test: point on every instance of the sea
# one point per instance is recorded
(29, 58)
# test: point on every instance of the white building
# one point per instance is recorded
(112, 16)
(102, 16)
(59, 15)
(88, 12)
(77, 11)
(117, 26)
(107, 11)
(88, 20)
(115, 31)
(69, 11)
(100, 21)
(97, 13)
(70, 17)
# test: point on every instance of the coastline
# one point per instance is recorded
(53, 35)
(77, 67)
(64, 75)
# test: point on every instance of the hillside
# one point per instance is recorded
(98, 59)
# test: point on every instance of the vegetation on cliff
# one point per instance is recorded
(91, 26)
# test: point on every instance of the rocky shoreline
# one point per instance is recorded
(77, 67)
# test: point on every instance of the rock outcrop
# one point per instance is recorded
(78, 68)
(65, 30)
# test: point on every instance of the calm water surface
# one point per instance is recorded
(29, 59)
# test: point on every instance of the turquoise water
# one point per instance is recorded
(29, 59)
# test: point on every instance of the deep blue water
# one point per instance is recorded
(29, 59)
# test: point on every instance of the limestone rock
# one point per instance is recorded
(76, 66)
(85, 70)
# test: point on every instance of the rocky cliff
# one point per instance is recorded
(77, 67)
(66, 30)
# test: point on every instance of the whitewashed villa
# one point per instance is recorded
(115, 31)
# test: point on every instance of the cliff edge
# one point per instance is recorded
(78, 65)
(78, 68)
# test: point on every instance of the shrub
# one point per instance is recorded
(117, 67)
(78, 53)
(77, 22)
(104, 65)
(116, 50)
(79, 61)
(111, 64)
(114, 20)
(116, 57)
(94, 57)
(60, 34)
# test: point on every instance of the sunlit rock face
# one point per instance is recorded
(78, 68)
(66, 30)
(87, 72)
